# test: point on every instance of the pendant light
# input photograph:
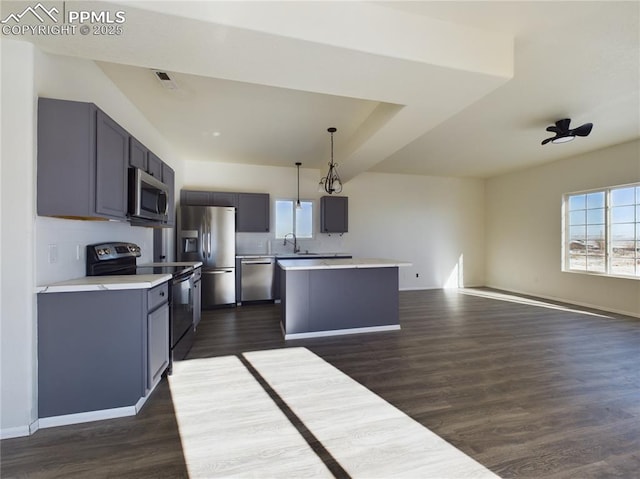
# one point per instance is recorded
(298, 205)
(331, 183)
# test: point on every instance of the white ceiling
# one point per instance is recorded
(434, 88)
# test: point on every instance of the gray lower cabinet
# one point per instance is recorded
(83, 157)
(197, 297)
(157, 344)
(277, 272)
(334, 214)
(100, 350)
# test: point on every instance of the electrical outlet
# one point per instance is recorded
(78, 252)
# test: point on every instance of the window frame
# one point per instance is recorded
(608, 254)
(293, 201)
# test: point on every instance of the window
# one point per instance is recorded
(602, 231)
(287, 215)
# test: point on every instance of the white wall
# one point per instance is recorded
(17, 301)
(435, 223)
(26, 74)
(524, 229)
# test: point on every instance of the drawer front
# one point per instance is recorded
(157, 296)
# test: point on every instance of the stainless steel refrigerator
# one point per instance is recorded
(208, 234)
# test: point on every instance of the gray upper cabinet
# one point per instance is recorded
(82, 161)
(154, 166)
(334, 214)
(223, 198)
(196, 198)
(252, 209)
(253, 212)
(137, 154)
(112, 160)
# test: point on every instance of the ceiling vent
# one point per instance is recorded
(165, 80)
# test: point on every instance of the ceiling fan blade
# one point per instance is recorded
(563, 125)
(544, 142)
(583, 130)
(553, 129)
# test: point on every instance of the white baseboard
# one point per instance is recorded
(67, 419)
(567, 301)
(431, 288)
(339, 332)
(18, 431)
(100, 415)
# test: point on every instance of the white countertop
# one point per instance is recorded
(339, 263)
(114, 282)
(105, 283)
(193, 264)
(290, 255)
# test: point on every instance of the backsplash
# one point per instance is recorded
(264, 243)
(61, 245)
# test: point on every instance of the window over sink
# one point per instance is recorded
(290, 219)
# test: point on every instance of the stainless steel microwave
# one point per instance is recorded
(148, 196)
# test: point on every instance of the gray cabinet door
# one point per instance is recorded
(157, 344)
(334, 214)
(137, 154)
(196, 198)
(154, 166)
(223, 198)
(66, 158)
(90, 351)
(168, 178)
(83, 156)
(253, 212)
(112, 160)
(197, 298)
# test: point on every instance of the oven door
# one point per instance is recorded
(182, 327)
(148, 197)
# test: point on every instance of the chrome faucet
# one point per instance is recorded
(296, 248)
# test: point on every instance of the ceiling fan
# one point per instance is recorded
(564, 134)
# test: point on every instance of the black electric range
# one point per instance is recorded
(118, 258)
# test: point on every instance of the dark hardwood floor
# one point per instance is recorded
(526, 390)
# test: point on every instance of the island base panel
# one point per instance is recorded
(332, 300)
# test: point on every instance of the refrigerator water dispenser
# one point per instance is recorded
(189, 241)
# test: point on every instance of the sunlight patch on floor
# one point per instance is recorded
(369, 437)
(230, 427)
(513, 298)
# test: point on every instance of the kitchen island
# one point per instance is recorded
(325, 297)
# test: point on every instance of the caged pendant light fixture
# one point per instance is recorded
(331, 183)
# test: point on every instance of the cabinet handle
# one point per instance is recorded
(162, 293)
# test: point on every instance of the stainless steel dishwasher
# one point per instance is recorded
(256, 280)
